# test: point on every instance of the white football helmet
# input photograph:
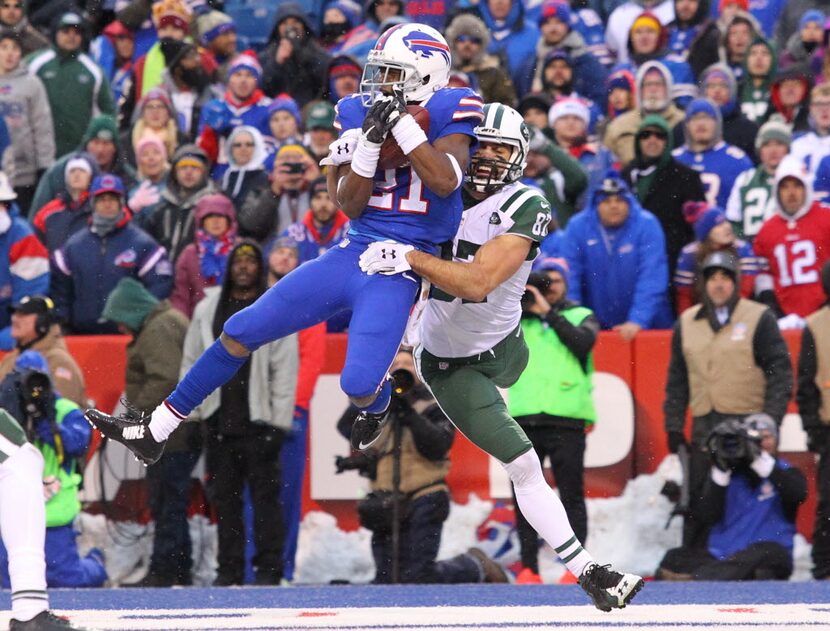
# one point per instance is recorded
(417, 53)
(502, 125)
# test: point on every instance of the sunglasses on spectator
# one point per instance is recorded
(242, 144)
(468, 38)
(652, 133)
(12, 6)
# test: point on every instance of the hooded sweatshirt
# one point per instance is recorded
(24, 106)
(755, 100)
(795, 247)
(619, 135)
(720, 163)
(241, 179)
(620, 21)
(203, 263)
(737, 129)
(797, 116)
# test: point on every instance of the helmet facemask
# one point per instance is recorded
(499, 172)
(376, 82)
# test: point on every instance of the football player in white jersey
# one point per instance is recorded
(23, 528)
(471, 340)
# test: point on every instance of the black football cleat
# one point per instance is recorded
(131, 430)
(609, 589)
(367, 428)
(44, 621)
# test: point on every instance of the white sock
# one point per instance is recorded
(164, 421)
(544, 511)
(23, 527)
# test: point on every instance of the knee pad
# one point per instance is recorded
(235, 329)
(525, 471)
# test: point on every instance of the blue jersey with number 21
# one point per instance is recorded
(401, 207)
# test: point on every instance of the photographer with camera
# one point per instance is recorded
(268, 212)
(552, 400)
(293, 62)
(57, 428)
(35, 327)
(408, 466)
(728, 359)
(750, 503)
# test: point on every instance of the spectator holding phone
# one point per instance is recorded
(270, 212)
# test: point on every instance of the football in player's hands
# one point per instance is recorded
(391, 156)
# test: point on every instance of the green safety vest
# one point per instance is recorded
(554, 382)
(62, 508)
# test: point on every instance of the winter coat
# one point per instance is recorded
(89, 267)
(24, 270)
(60, 219)
(64, 370)
(25, 108)
(172, 222)
(624, 280)
(303, 74)
(238, 182)
(189, 125)
(273, 377)
(189, 284)
(619, 135)
(791, 16)
(672, 185)
(77, 90)
(265, 214)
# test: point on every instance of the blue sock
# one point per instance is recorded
(212, 370)
(382, 401)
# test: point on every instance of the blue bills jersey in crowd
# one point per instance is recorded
(719, 167)
(401, 207)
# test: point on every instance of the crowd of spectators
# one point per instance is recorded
(140, 145)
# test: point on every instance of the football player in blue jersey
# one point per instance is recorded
(417, 204)
(718, 162)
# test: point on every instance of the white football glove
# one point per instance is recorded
(341, 150)
(385, 257)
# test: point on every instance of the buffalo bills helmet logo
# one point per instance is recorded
(424, 45)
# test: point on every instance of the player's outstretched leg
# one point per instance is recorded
(44, 621)
(308, 295)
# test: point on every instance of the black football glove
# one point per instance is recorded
(399, 110)
(375, 125)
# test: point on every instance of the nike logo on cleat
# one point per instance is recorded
(134, 432)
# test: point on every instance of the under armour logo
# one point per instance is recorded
(343, 148)
(388, 253)
(133, 432)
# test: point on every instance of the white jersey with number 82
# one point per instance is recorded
(452, 327)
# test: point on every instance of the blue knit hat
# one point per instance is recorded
(245, 61)
(703, 218)
(552, 264)
(287, 104)
(813, 15)
(555, 9)
(352, 10)
(702, 106)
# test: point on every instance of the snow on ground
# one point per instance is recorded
(628, 531)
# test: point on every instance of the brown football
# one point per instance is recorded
(391, 156)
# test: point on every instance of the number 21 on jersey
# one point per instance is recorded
(393, 193)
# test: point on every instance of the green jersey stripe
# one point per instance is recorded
(512, 205)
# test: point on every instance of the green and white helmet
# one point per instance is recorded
(502, 125)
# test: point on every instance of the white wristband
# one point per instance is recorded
(408, 134)
(457, 169)
(365, 158)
